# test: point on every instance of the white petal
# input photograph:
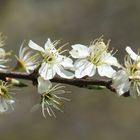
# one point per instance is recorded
(2, 51)
(2, 109)
(4, 105)
(84, 68)
(47, 71)
(138, 89)
(48, 43)
(121, 82)
(132, 54)
(64, 73)
(22, 50)
(79, 51)
(66, 62)
(41, 69)
(35, 46)
(133, 91)
(28, 55)
(49, 46)
(30, 68)
(110, 60)
(105, 70)
(43, 85)
(10, 101)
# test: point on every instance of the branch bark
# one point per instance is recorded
(76, 82)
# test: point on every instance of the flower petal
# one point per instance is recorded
(3, 105)
(2, 51)
(2, 109)
(84, 68)
(47, 71)
(43, 85)
(110, 60)
(49, 46)
(34, 46)
(133, 91)
(121, 82)
(64, 73)
(132, 54)
(66, 62)
(79, 51)
(105, 70)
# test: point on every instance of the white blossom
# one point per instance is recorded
(133, 56)
(50, 96)
(53, 62)
(6, 100)
(4, 59)
(3, 54)
(127, 79)
(96, 56)
(27, 60)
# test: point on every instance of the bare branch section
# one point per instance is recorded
(76, 82)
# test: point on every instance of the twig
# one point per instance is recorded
(76, 82)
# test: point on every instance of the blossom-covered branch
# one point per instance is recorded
(44, 65)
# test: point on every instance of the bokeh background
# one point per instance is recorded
(99, 115)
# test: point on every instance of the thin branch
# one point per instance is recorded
(76, 82)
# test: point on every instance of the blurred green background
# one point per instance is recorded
(98, 115)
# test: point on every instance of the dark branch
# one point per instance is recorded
(76, 82)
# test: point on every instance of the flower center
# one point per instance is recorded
(20, 64)
(138, 65)
(3, 91)
(4, 88)
(97, 51)
(49, 57)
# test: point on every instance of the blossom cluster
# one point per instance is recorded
(84, 61)
(127, 79)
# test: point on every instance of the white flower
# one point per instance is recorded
(6, 100)
(27, 60)
(127, 79)
(53, 62)
(133, 56)
(49, 96)
(3, 54)
(96, 56)
(3, 59)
